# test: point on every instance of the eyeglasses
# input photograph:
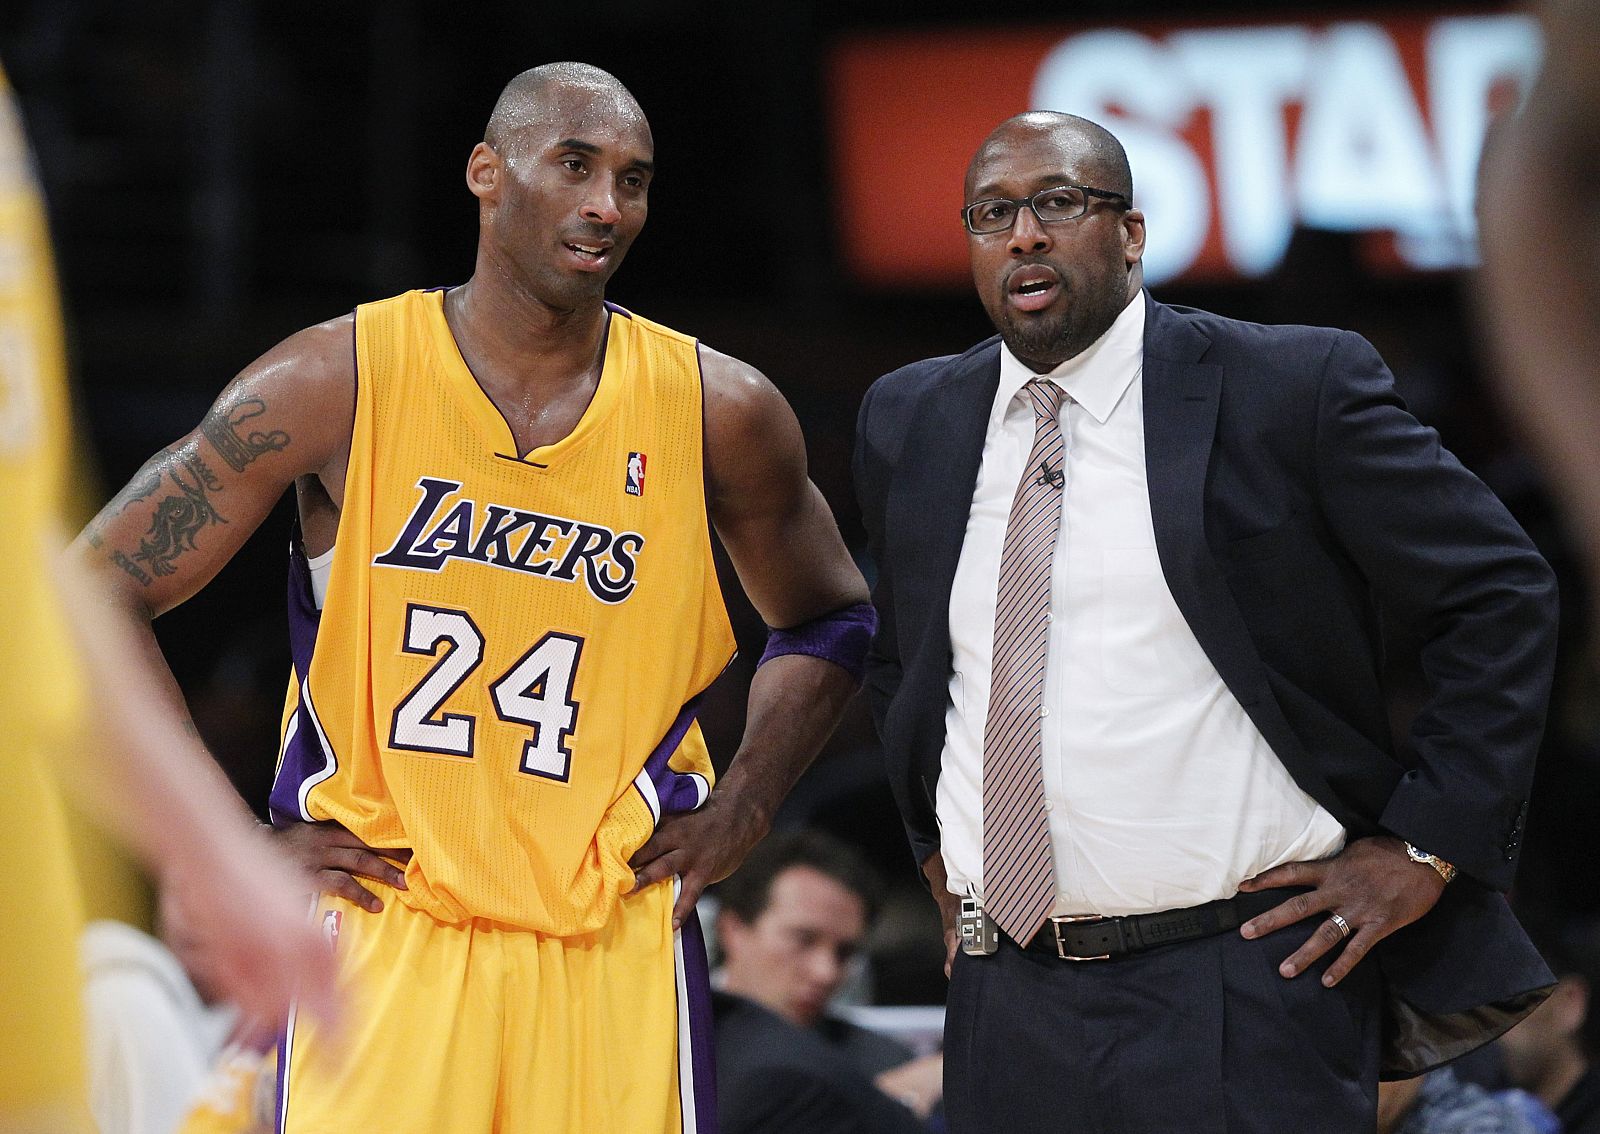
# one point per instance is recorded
(1062, 203)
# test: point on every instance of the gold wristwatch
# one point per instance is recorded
(1446, 871)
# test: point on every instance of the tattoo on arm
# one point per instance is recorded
(222, 428)
(141, 487)
(177, 521)
(130, 567)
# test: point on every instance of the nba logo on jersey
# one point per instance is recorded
(635, 481)
(332, 920)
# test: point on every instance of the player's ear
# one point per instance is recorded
(483, 171)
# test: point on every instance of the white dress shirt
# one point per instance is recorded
(1161, 792)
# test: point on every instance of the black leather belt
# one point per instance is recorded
(1094, 938)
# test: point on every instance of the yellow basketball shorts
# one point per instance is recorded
(481, 1029)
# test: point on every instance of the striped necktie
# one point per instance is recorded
(1018, 875)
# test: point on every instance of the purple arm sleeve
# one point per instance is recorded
(841, 637)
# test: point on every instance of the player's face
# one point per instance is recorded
(1050, 289)
(793, 958)
(572, 193)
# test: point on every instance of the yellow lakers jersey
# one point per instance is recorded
(41, 1046)
(504, 671)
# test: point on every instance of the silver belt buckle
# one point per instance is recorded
(1057, 921)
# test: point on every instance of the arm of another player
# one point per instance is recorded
(783, 541)
(162, 538)
(244, 901)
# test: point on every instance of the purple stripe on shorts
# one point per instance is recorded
(278, 1098)
(702, 1037)
(304, 757)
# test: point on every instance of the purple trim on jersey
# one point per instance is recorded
(842, 637)
(676, 791)
(702, 1038)
(623, 311)
(304, 756)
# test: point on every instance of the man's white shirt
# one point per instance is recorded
(1161, 792)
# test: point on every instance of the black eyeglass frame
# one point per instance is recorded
(1021, 203)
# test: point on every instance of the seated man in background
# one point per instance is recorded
(1551, 1053)
(791, 920)
(1440, 1103)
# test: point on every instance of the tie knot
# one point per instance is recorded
(1047, 398)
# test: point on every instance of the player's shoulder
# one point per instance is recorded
(322, 352)
(649, 326)
(733, 381)
(303, 387)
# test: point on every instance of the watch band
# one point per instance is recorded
(1416, 854)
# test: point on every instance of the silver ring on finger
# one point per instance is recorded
(1340, 924)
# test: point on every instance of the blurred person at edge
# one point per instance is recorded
(1551, 1053)
(1540, 295)
(790, 921)
(149, 781)
(1150, 732)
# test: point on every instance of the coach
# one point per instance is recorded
(1138, 565)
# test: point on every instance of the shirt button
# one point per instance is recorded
(1049, 805)
(1044, 710)
(1048, 617)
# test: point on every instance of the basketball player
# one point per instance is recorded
(503, 613)
(172, 802)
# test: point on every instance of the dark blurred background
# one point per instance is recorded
(220, 175)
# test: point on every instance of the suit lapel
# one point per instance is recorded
(1182, 398)
(939, 471)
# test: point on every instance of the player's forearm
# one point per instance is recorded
(795, 703)
(157, 787)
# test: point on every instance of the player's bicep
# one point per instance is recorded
(188, 510)
(777, 527)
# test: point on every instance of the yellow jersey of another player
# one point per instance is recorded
(504, 670)
(41, 1045)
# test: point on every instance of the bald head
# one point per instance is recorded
(535, 94)
(1087, 144)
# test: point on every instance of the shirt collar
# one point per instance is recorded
(1096, 378)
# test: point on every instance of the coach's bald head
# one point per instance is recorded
(1088, 144)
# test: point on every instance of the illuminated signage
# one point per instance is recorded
(1237, 134)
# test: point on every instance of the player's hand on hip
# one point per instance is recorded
(335, 859)
(1363, 894)
(700, 847)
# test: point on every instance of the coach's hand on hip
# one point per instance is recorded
(1363, 893)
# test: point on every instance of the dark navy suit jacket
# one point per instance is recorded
(1293, 497)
